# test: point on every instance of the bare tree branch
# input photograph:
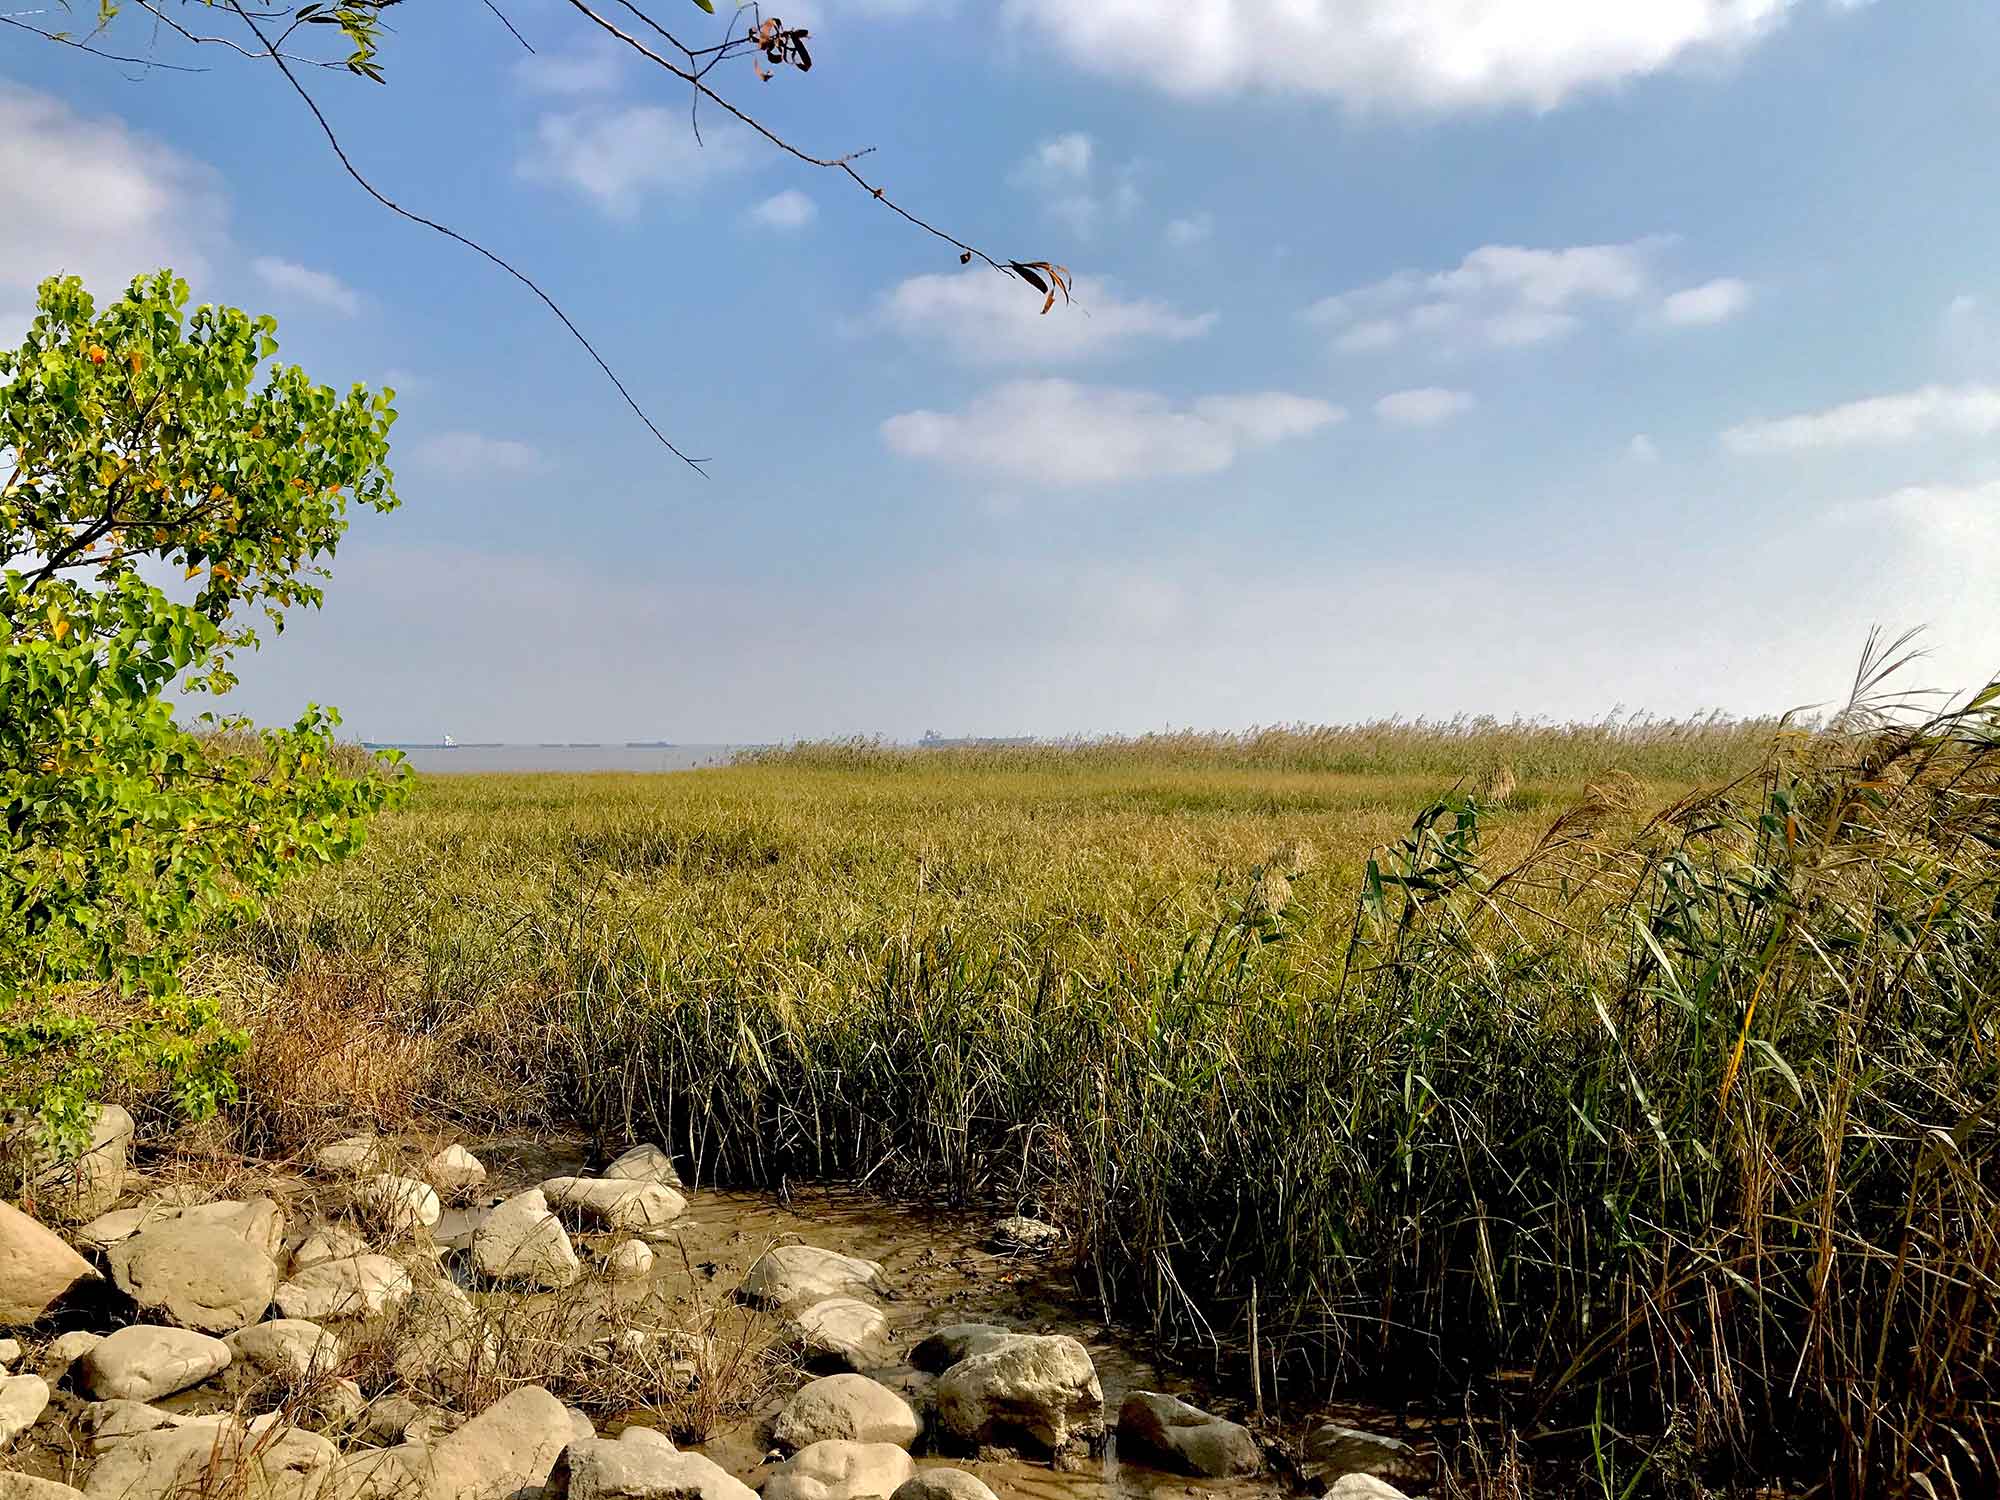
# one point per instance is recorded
(452, 234)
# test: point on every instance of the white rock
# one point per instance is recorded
(23, 1399)
(1333, 1452)
(109, 1423)
(647, 1163)
(947, 1346)
(944, 1484)
(169, 1462)
(328, 1242)
(198, 1273)
(841, 1471)
(356, 1156)
(10, 1353)
(1169, 1433)
(1364, 1487)
(87, 1186)
(521, 1241)
(1039, 1387)
(454, 1171)
(615, 1204)
(120, 1224)
(511, 1446)
(365, 1286)
(38, 1272)
(65, 1350)
(444, 1343)
(289, 1350)
(852, 1408)
(146, 1361)
(399, 1473)
(631, 1261)
(792, 1274)
(260, 1221)
(402, 1203)
(843, 1331)
(642, 1465)
(27, 1487)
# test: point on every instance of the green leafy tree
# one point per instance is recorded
(164, 488)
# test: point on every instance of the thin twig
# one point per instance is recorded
(452, 234)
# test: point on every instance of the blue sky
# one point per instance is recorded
(1430, 355)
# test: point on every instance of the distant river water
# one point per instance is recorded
(433, 760)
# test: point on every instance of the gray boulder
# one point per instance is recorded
(852, 1408)
(944, 1484)
(640, 1464)
(1171, 1434)
(23, 1399)
(837, 1470)
(799, 1274)
(38, 1272)
(632, 1260)
(355, 1156)
(647, 1163)
(328, 1242)
(402, 1204)
(1039, 1388)
(87, 1186)
(1364, 1487)
(941, 1350)
(615, 1205)
(365, 1286)
(511, 1446)
(1333, 1452)
(289, 1351)
(26, 1487)
(64, 1351)
(145, 1362)
(523, 1243)
(843, 1332)
(444, 1344)
(260, 1221)
(455, 1171)
(200, 1274)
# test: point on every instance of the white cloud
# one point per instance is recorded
(987, 318)
(1058, 433)
(1399, 54)
(1513, 296)
(788, 211)
(1643, 450)
(1706, 305)
(322, 287)
(1499, 296)
(473, 454)
(595, 68)
(1195, 229)
(1066, 156)
(1428, 406)
(1063, 171)
(1933, 411)
(86, 195)
(615, 156)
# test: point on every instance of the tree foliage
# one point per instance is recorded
(166, 484)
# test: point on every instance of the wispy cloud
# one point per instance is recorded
(1194, 229)
(1059, 433)
(1427, 406)
(322, 287)
(986, 318)
(1931, 412)
(469, 454)
(1064, 172)
(617, 155)
(787, 212)
(1706, 305)
(1510, 296)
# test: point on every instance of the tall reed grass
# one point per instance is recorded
(1653, 1120)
